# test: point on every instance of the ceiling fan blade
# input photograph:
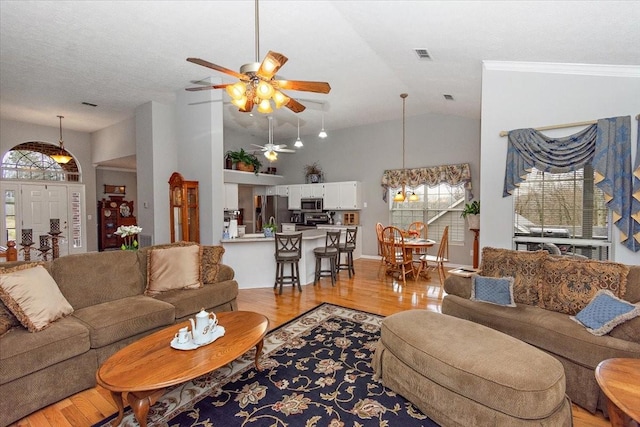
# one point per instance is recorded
(271, 64)
(285, 150)
(218, 68)
(259, 146)
(318, 87)
(222, 86)
(248, 106)
(295, 106)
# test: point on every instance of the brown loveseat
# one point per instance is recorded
(110, 310)
(547, 291)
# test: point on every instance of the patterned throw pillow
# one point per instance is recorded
(211, 257)
(494, 290)
(525, 268)
(605, 312)
(7, 320)
(33, 296)
(171, 268)
(568, 285)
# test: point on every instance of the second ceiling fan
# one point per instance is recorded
(258, 84)
(270, 149)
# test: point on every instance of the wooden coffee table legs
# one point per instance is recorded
(258, 353)
(140, 402)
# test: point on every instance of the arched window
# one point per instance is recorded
(31, 161)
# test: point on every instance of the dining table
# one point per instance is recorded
(419, 245)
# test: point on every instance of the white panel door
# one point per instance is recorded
(40, 203)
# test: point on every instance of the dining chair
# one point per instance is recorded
(398, 258)
(288, 251)
(347, 249)
(439, 259)
(379, 228)
(418, 230)
(330, 252)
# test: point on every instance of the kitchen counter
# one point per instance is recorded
(252, 259)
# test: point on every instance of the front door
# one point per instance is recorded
(40, 204)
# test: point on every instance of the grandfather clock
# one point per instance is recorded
(184, 210)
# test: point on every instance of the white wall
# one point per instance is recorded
(78, 144)
(523, 95)
(115, 141)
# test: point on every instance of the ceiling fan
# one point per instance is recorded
(270, 149)
(258, 83)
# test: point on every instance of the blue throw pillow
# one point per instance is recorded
(605, 312)
(494, 290)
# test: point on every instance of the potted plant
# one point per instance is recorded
(471, 212)
(313, 173)
(246, 162)
(269, 229)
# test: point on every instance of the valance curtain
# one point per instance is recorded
(606, 145)
(431, 176)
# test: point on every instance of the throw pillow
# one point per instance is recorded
(568, 284)
(494, 290)
(605, 312)
(173, 268)
(7, 320)
(211, 256)
(525, 267)
(33, 296)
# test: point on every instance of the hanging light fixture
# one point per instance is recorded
(322, 133)
(62, 157)
(401, 195)
(298, 142)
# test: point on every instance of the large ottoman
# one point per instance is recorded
(460, 373)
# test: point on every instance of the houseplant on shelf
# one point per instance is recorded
(269, 229)
(471, 212)
(313, 173)
(246, 162)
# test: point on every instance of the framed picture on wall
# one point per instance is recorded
(114, 189)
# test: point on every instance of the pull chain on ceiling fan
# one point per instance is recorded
(257, 83)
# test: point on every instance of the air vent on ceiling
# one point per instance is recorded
(422, 53)
(448, 97)
(89, 104)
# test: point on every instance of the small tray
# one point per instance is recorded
(190, 345)
(464, 271)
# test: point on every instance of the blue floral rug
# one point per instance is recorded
(316, 372)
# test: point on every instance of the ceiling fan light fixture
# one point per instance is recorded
(240, 102)
(264, 90)
(265, 107)
(236, 91)
(279, 98)
(271, 155)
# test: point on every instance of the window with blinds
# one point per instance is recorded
(437, 207)
(563, 213)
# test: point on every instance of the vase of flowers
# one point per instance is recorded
(128, 234)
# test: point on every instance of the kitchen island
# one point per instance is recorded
(252, 258)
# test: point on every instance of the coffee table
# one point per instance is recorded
(619, 379)
(145, 368)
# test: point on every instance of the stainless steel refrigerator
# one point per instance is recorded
(272, 206)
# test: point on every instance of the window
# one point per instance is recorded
(438, 207)
(10, 214)
(564, 213)
(30, 161)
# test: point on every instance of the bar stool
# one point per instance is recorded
(288, 251)
(330, 251)
(347, 248)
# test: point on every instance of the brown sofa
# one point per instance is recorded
(548, 290)
(106, 291)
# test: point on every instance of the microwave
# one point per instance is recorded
(311, 205)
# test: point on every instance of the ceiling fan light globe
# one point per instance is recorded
(271, 155)
(265, 107)
(280, 99)
(240, 102)
(264, 90)
(237, 90)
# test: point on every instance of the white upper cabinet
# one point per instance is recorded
(231, 197)
(295, 194)
(342, 195)
(315, 191)
(282, 190)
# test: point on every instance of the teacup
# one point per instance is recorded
(183, 335)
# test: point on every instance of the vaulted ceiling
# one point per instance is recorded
(56, 55)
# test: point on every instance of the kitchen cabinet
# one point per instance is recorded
(231, 197)
(295, 195)
(342, 195)
(271, 191)
(314, 191)
(282, 190)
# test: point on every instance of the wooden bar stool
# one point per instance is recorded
(330, 252)
(347, 249)
(288, 251)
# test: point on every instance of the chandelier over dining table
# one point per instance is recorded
(401, 195)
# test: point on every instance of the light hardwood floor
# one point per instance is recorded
(369, 290)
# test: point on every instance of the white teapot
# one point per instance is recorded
(203, 326)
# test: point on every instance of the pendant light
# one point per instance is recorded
(298, 143)
(400, 196)
(322, 133)
(62, 157)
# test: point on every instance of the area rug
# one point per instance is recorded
(316, 371)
